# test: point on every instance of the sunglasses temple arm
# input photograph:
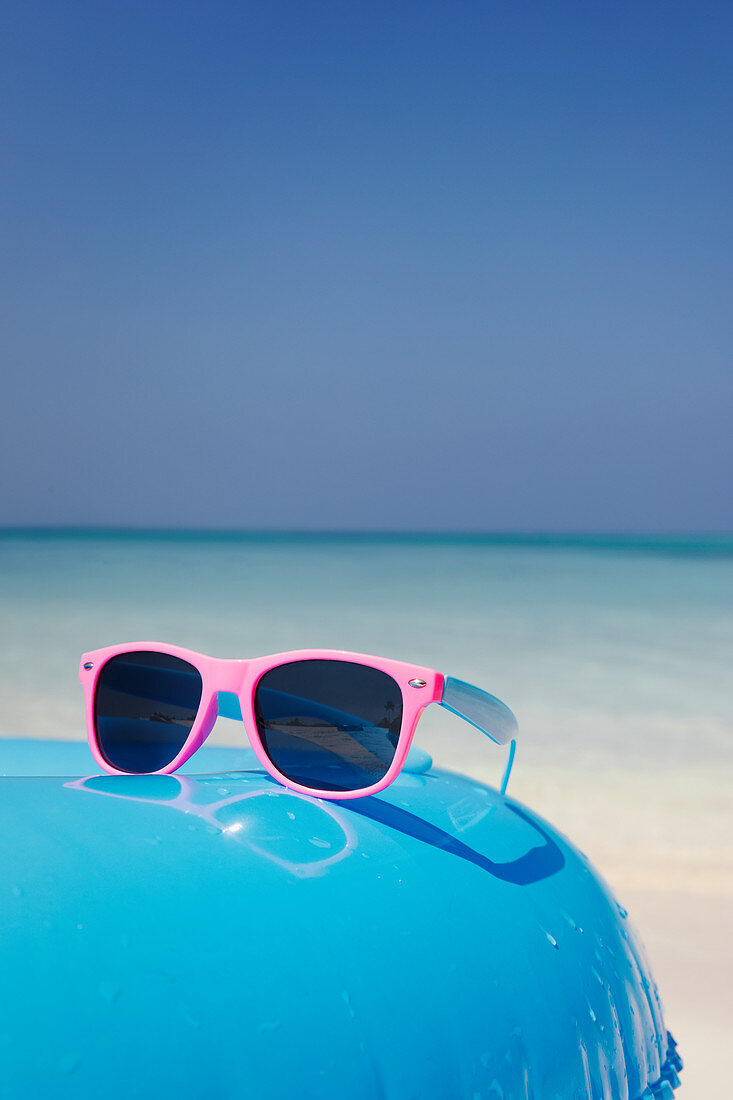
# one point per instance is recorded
(486, 713)
(509, 765)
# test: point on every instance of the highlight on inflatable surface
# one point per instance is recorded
(212, 933)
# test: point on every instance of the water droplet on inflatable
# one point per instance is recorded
(268, 1026)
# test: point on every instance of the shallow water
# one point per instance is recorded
(602, 649)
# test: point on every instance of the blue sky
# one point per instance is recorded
(367, 265)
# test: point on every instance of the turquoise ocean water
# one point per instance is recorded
(605, 648)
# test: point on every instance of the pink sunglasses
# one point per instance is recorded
(322, 722)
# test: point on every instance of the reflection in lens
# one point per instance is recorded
(144, 707)
(329, 725)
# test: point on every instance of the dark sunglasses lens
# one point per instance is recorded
(144, 707)
(329, 725)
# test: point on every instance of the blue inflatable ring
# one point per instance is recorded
(217, 935)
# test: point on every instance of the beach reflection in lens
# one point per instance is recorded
(329, 725)
(145, 705)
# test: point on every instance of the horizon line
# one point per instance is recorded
(536, 535)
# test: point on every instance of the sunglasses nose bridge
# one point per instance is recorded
(230, 673)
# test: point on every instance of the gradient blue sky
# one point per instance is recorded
(370, 265)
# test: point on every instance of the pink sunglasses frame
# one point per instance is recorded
(241, 676)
